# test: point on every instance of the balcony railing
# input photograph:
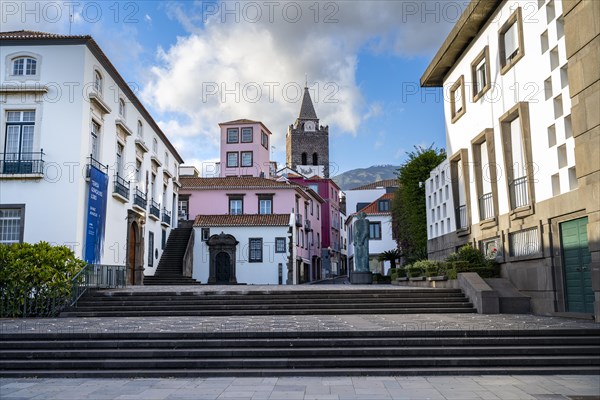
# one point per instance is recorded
(486, 207)
(154, 208)
(307, 226)
(166, 216)
(299, 221)
(92, 162)
(121, 187)
(461, 217)
(22, 163)
(519, 194)
(183, 216)
(139, 198)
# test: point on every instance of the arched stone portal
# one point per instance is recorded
(222, 269)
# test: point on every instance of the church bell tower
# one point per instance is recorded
(307, 143)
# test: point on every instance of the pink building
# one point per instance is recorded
(215, 204)
(245, 149)
(331, 222)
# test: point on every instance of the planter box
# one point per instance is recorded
(403, 279)
(417, 278)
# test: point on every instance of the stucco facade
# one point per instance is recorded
(522, 164)
(66, 112)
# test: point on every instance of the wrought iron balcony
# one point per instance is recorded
(22, 163)
(519, 194)
(166, 217)
(155, 209)
(307, 226)
(486, 207)
(121, 187)
(299, 221)
(92, 162)
(139, 198)
(461, 217)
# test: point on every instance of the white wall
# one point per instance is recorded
(56, 205)
(524, 82)
(353, 197)
(265, 273)
(439, 202)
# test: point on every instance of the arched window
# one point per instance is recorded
(140, 129)
(304, 159)
(122, 108)
(24, 66)
(98, 81)
(315, 159)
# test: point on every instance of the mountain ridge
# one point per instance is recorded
(363, 176)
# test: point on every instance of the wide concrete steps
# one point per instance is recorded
(252, 302)
(350, 353)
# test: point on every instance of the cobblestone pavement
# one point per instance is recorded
(553, 387)
(292, 323)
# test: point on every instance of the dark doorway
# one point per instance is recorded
(304, 159)
(223, 268)
(315, 159)
(131, 260)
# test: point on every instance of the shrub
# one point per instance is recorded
(401, 272)
(415, 271)
(429, 267)
(469, 259)
(34, 275)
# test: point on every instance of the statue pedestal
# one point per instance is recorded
(361, 278)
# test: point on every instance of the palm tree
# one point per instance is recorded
(391, 256)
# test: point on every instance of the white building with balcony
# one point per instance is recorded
(522, 160)
(83, 163)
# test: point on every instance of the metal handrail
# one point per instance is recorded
(519, 194)
(22, 163)
(139, 198)
(486, 207)
(121, 186)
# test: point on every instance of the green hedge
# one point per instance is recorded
(35, 278)
(469, 259)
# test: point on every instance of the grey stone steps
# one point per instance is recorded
(307, 372)
(185, 301)
(306, 362)
(271, 352)
(266, 311)
(266, 306)
(391, 343)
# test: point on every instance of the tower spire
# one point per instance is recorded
(307, 110)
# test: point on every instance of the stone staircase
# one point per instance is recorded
(170, 266)
(246, 302)
(337, 353)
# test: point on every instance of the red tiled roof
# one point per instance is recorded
(386, 183)
(106, 63)
(240, 121)
(232, 182)
(39, 35)
(243, 220)
(373, 208)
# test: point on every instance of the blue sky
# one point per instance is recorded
(198, 63)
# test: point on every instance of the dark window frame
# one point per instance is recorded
(237, 158)
(280, 241)
(245, 129)
(372, 224)
(252, 259)
(237, 135)
(241, 159)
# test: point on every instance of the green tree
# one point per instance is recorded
(409, 216)
(391, 256)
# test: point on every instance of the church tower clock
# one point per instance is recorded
(307, 143)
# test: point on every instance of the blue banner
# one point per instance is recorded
(96, 216)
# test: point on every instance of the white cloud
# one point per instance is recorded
(236, 63)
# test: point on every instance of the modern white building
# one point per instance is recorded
(83, 163)
(522, 167)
